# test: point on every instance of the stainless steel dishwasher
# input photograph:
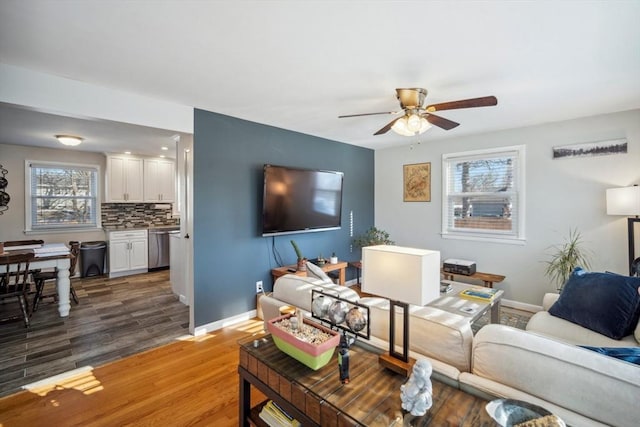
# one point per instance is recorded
(159, 246)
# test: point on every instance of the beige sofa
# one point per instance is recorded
(545, 366)
(443, 337)
(581, 386)
(544, 323)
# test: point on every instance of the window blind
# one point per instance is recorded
(63, 195)
(482, 193)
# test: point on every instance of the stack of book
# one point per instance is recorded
(51, 249)
(274, 416)
(479, 294)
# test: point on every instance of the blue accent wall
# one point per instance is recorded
(230, 254)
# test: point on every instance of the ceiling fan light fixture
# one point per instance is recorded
(69, 140)
(411, 125)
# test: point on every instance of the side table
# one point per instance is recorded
(488, 279)
(358, 266)
(341, 267)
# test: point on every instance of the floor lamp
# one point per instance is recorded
(626, 201)
(404, 276)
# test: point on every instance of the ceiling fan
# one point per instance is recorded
(418, 118)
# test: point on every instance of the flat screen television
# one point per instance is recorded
(300, 200)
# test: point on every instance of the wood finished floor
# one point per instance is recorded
(115, 318)
(191, 382)
(188, 382)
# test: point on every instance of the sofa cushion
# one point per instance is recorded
(315, 271)
(545, 324)
(296, 290)
(628, 354)
(603, 302)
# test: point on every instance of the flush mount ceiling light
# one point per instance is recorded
(69, 139)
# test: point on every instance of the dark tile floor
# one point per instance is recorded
(115, 318)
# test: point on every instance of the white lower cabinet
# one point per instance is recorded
(128, 252)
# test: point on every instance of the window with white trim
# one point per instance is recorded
(483, 194)
(61, 196)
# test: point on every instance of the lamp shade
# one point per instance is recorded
(408, 275)
(623, 201)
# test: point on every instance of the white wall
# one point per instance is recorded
(12, 221)
(58, 95)
(560, 195)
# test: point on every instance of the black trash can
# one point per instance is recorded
(92, 256)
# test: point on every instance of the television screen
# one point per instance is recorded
(300, 200)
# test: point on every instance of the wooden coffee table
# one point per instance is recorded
(318, 398)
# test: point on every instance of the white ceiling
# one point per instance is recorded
(299, 64)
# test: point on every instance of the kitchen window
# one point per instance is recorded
(483, 195)
(61, 196)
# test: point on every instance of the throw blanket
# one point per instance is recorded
(628, 354)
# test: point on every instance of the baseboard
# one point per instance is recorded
(223, 323)
(183, 299)
(521, 305)
(351, 282)
(128, 273)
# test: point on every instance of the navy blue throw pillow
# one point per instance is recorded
(628, 354)
(603, 302)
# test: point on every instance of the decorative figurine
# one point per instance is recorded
(356, 319)
(320, 306)
(416, 392)
(337, 312)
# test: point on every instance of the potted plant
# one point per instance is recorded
(373, 236)
(565, 257)
(334, 258)
(301, 260)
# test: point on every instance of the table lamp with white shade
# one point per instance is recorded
(404, 276)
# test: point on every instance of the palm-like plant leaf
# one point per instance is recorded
(566, 257)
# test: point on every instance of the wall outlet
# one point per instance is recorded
(259, 288)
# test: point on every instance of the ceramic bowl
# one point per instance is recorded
(509, 412)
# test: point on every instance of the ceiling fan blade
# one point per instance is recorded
(485, 101)
(441, 122)
(387, 127)
(367, 114)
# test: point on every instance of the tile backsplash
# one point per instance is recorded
(136, 215)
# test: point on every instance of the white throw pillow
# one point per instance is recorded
(315, 271)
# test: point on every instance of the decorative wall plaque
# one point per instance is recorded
(4, 196)
(417, 182)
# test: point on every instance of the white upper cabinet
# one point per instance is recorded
(124, 178)
(159, 180)
(132, 179)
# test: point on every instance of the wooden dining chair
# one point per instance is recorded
(41, 277)
(14, 280)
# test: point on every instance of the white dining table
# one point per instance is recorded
(63, 285)
(61, 263)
